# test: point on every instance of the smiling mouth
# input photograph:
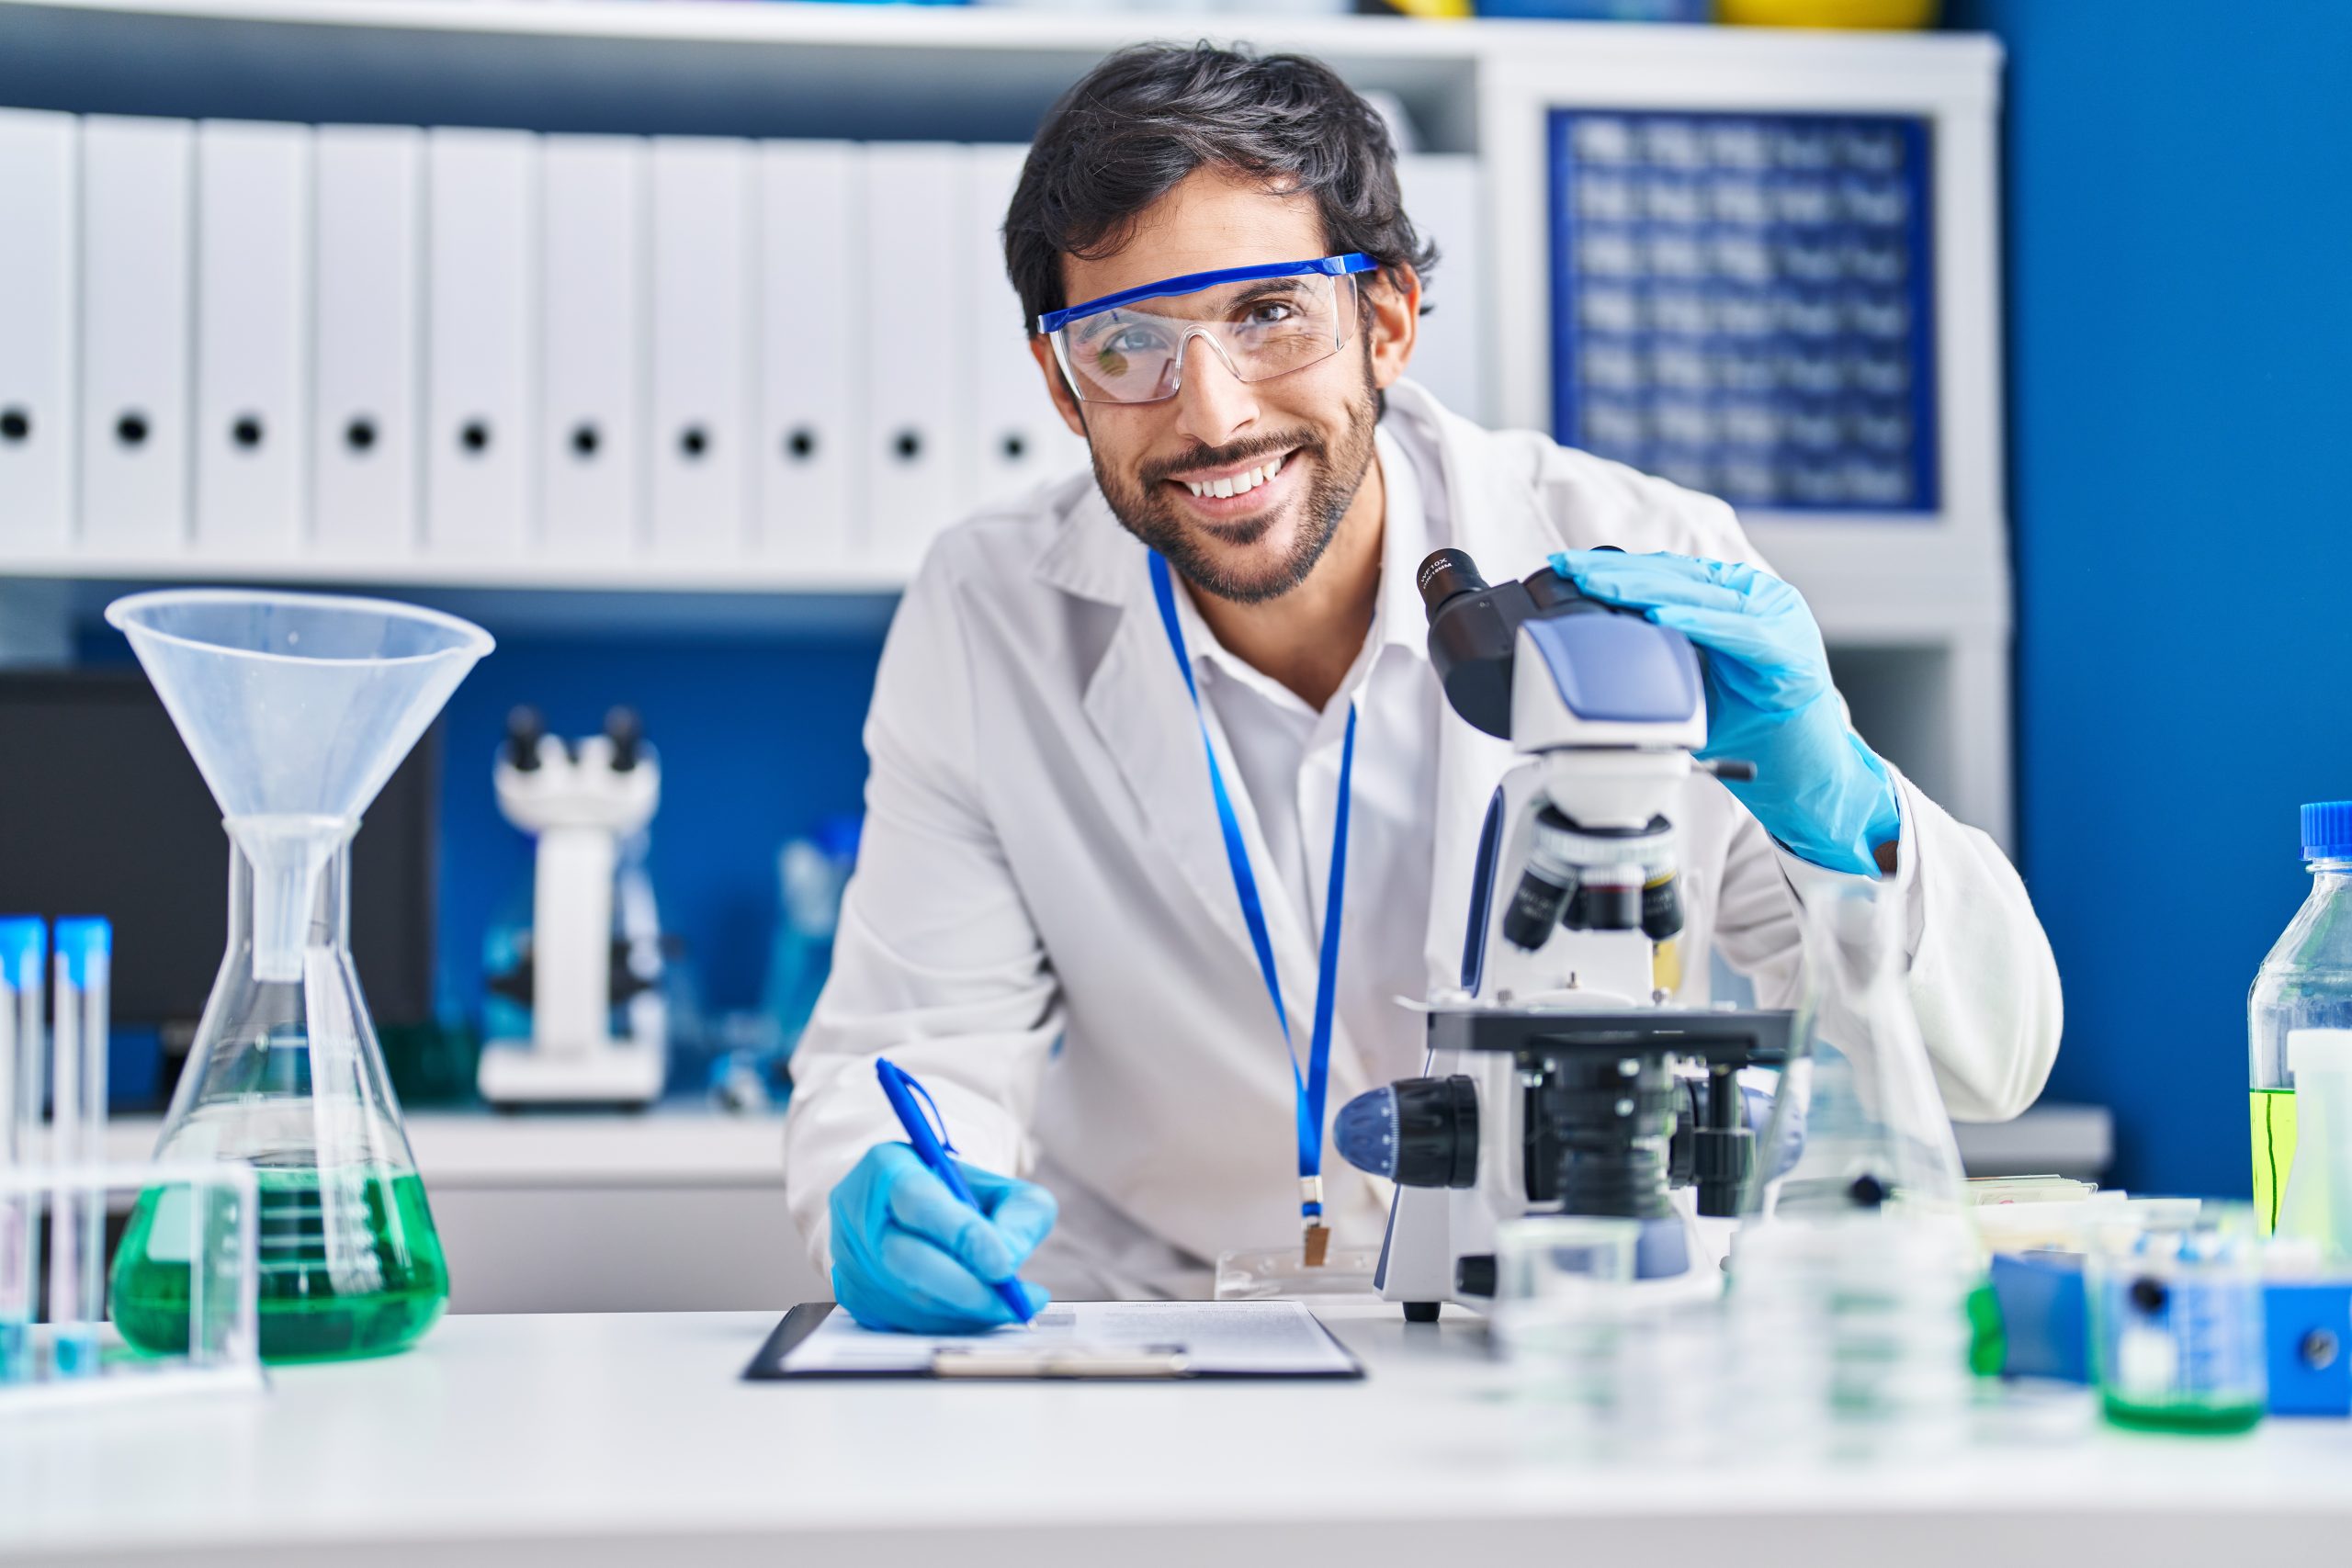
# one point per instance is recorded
(1228, 485)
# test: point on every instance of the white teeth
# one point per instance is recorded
(1237, 484)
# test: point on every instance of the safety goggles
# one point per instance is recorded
(1263, 321)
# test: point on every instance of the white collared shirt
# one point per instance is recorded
(1281, 759)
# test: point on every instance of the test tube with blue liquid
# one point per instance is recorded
(78, 1213)
(24, 944)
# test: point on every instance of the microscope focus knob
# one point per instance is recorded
(1417, 1132)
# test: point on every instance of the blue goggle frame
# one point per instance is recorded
(1053, 321)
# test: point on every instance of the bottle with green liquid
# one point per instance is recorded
(2305, 982)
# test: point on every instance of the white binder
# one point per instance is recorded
(136, 179)
(253, 271)
(39, 271)
(809, 441)
(366, 322)
(1442, 198)
(592, 333)
(1020, 438)
(918, 348)
(481, 223)
(701, 346)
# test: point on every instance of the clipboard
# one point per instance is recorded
(1018, 1357)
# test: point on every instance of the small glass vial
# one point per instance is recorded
(2177, 1326)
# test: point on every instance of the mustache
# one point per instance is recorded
(1231, 452)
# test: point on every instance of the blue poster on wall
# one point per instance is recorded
(1744, 304)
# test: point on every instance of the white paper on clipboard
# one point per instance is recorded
(1217, 1340)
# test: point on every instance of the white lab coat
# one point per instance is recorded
(1042, 926)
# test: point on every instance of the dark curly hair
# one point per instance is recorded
(1148, 115)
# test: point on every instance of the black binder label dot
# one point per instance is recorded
(15, 424)
(584, 440)
(908, 446)
(474, 436)
(801, 443)
(246, 431)
(693, 441)
(359, 434)
(131, 428)
(1016, 448)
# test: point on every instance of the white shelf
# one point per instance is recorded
(1933, 594)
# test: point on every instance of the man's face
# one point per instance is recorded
(1315, 422)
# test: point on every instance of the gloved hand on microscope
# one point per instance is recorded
(1818, 788)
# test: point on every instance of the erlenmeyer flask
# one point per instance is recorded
(1855, 1261)
(1858, 1105)
(298, 708)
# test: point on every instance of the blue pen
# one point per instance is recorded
(899, 1088)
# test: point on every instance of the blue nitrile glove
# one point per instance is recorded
(1770, 701)
(909, 1256)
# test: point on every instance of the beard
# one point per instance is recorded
(1147, 509)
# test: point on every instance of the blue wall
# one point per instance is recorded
(2180, 309)
(759, 742)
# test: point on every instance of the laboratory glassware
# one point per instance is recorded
(296, 708)
(1858, 1124)
(2305, 983)
(1561, 1301)
(77, 1215)
(2176, 1325)
(1852, 1273)
(209, 1228)
(24, 942)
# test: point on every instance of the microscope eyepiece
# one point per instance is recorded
(1445, 576)
(524, 728)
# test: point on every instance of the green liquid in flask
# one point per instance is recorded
(375, 1292)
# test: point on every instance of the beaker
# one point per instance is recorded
(296, 708)
(2176, 1325)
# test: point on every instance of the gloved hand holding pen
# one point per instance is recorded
(1818, 789)
(910, 1256)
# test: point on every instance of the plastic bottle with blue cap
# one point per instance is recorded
(2303, 987)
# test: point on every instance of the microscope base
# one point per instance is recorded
(516, 1073)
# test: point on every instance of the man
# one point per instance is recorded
(1046, 926)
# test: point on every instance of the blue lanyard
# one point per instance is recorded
(1313, 1084)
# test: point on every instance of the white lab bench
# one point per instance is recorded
(682, 1210)
(629, 1439)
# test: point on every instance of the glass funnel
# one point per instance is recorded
(296, 708)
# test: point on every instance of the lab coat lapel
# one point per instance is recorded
(1136, 701)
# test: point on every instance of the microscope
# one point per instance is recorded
(591, 974)
(1559, 1079)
